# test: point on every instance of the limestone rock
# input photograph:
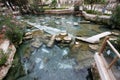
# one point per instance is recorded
(94, 47)
(58, 39)
(75, 24)
(67, 39)
(28, 37)
(36, 44)
(28, 33)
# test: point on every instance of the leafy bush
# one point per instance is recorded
(54, 3)
(36, 8)
(13, 30)
(76, 8)
(115, 18)
(14, 34)
(3, 58)
(116, 44)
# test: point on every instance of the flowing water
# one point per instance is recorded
(56, 63)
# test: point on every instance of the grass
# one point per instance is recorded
(97, 12)
(93, 12)
(3, 58)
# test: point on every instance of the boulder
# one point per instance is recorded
(28, 37)
(29, 26)
(51, 42)
(63, 34)
(75, 24)
(67, 39)
(28, 33)
(115, 33)
(58, 39)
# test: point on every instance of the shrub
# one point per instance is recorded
(93, 12)
(15, 35)
(115, 18)
(116, 43)
(53, 3)
(14, 31)
(76, 8)
(35, 7)
(3, 58)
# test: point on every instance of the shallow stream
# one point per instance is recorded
(56, 63)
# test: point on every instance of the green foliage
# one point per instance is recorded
(54, 3)
(13, 31)
(116, 44)
(93, 12)
(36, 8)
(94, 1)
(115, 18)
(14, 35)
(102, 1)
(76, 8)
(3, 58)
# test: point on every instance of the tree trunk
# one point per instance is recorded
(11, 5)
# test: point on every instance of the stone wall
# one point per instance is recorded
(64, 11)
(104, 19)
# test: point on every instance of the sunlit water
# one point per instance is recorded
(54, 63)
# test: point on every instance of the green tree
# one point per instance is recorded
(54, 3)
(115, 18)
(22, 4)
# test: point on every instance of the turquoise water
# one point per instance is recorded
(66, 63)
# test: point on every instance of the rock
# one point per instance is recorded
(57, 22)
(69, 22)
(94, 47)
(58, 39)
(63, 34)
(84, 22)
(51, 42)
(36, 44)
(115, 33)
(67, 39)
(29, 26)
(28, 33)
(28, 37)
(37, 32)
(94, 39)
(75, 24)
(99, 19)
(113, 38)
(77, 43)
